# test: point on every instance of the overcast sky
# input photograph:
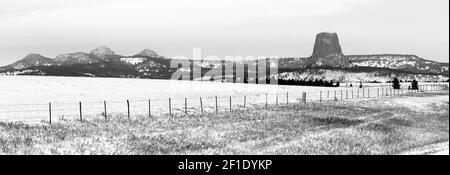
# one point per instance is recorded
(284, 28)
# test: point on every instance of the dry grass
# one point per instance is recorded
(378, 126)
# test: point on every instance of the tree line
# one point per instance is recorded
(310, 82)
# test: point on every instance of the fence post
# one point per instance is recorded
(364, 91)
(341, 94)
(149, 108)
(277, 99)
(217, 109)
(245, 99)
(201, 105)
(50, 113)
(357, 93)
(304, 97)
(352, 93)
(328, 94)
(170, 107)
(185, 106)
(320, 99)
(104, 107)
(335, 98)
(230, 104)
(128, 108)
(81, 113)
(368, 93)
(287, 98)
(346, 94)
(266, 100)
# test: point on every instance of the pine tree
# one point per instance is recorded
(415, 85)
(337, 84)
(396, 83)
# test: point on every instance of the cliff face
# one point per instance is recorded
(328, 52)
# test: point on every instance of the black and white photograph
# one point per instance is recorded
(224, 77)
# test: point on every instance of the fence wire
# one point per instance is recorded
(56, 111)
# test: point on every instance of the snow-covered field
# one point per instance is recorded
(28, 97)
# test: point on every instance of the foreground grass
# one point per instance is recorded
(378, 126)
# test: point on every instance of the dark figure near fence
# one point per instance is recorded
(396, 83)
(360, 85)
(337, 84)
(415, 85)
(351, 85)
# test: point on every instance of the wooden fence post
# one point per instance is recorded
(217, 109)
(50, 113)
(346, 94)
(352, 93)
(277, 99)
(230, 104)
(341, 94)
(304, 97)
(81, 113)
(266, 100)
(149, 108)
(185, 106)
(170, 107)
(201, 105)
(320, 99)
(104, 107)
(335, 98)
(368, 93)
(363, 93)
(128, 108)
(245, 99)
(287, 98)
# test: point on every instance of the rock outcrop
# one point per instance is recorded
(102, 52)
(75, 58)
(148, 53)
(31, 60)
(328, 52)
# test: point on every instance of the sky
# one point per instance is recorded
(284, 28)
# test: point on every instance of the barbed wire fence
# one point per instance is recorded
(102, 109)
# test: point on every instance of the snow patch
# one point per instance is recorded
(133, 60)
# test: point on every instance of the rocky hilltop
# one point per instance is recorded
(32, 59)
(327, 51)
(102, 52)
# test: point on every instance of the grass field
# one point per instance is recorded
(27, 98)
(377, 126)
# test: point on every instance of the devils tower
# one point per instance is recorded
(328, 52)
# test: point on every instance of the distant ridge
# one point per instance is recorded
(327, 56)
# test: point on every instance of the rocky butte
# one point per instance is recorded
(327, 51)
